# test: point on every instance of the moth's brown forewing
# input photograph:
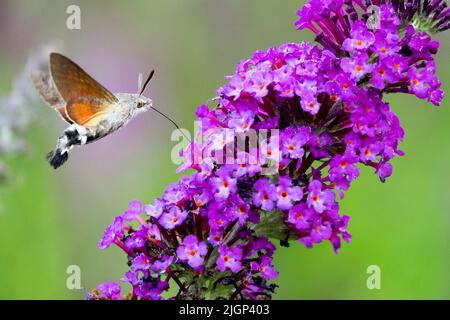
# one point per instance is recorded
(86, 100)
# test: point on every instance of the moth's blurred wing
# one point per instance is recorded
(47, 91)
(73, 82)
(44, 85)
(87, 111)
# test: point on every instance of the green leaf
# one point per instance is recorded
(271, 225)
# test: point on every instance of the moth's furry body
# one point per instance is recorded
(91, 110)
(125, 111)
(116, 117)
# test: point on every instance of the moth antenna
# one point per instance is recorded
(140, 80)
(150, 76)
(173, 122)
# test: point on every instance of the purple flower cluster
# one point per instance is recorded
(324, 113)
(391, 50)
(179, 237)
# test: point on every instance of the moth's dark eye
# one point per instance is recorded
(140, 104)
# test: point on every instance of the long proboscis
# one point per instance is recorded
(173, 122)
(150, 76)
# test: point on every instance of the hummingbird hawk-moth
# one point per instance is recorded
(91, 111)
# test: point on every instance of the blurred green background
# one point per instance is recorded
(52, 219)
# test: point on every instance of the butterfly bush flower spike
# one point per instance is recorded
(319, 114)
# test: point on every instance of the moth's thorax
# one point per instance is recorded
(133, 102)
(128, 106)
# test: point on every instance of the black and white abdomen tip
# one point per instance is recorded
(56, 158)
(72, 136)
